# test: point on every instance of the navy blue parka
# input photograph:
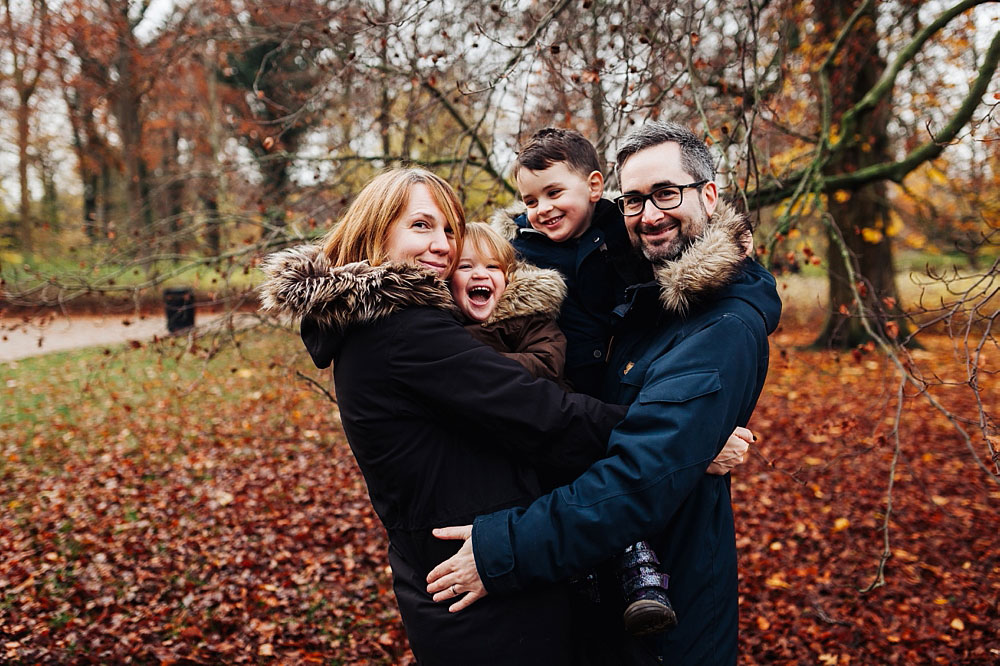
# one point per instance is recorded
(691, 370)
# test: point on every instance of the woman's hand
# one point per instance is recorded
(733, 453)
(457, 575)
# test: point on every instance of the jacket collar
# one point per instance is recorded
(302, 283)
(530, 291)
(710, 263)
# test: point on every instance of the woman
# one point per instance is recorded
(443, 428)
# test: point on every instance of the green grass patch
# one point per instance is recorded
(211, 280)
(166, 390)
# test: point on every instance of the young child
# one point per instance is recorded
(570, 227)
(508, 305)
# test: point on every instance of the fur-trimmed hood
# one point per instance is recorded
(710, 263)
(530, 291)
(503, 219)
(301, 283)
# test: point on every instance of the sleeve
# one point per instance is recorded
(456, 375)
(691, 398)
(541, 348)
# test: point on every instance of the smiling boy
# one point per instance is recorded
(568, 226)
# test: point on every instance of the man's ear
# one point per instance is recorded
(595, 183)
(710, 196)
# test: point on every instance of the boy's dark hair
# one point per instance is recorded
(554, 144)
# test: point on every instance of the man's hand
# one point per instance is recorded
(733, 453)
(457, 575)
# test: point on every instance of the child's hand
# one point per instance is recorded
(733, 453)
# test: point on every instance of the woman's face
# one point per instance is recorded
(421, 235)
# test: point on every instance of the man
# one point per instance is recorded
(690, 356)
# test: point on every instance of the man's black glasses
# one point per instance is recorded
(664, 198)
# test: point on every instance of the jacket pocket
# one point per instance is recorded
(681, 388)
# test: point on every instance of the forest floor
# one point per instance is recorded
(191, 500)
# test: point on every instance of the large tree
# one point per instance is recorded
(849, 150)
(26, 32)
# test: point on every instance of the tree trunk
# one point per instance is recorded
(127, 103)
(174, 191)
(105, 189)
(50, 193)
(22, 174)
(128, 124)
(861, 217)
(89, 176)
(866, 209)
(91, 186)
(211, 188)
(213, 231)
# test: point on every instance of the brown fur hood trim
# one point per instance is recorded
(302, 283)
(502, 219)
(530, 291)
(709, 264)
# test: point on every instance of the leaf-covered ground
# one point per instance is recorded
(175, 505)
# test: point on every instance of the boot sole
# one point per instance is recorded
(645, 617)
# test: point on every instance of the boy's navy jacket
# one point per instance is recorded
(690, 370)
(597, 267)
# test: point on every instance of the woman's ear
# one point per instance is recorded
(595, 183)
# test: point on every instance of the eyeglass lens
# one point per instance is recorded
(663, 198)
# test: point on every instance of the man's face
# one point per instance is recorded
(662, 235)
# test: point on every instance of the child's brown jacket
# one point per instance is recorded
(523, 326)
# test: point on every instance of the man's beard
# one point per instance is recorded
(667, 251)
(670, 250)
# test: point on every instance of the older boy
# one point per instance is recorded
(571, 228)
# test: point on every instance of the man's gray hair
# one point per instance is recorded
(695, 157)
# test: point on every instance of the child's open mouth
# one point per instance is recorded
(480, 295)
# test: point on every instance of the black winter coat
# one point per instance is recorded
(443, 429)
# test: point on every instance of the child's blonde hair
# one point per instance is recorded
(487, 241)
(363, 231)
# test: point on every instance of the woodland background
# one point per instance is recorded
(192, 499)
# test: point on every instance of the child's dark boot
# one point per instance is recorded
(648, 610)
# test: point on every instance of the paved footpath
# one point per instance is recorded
(44, 335)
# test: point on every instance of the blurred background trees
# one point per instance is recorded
(156, 142)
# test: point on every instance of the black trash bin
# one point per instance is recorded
(179, 302)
